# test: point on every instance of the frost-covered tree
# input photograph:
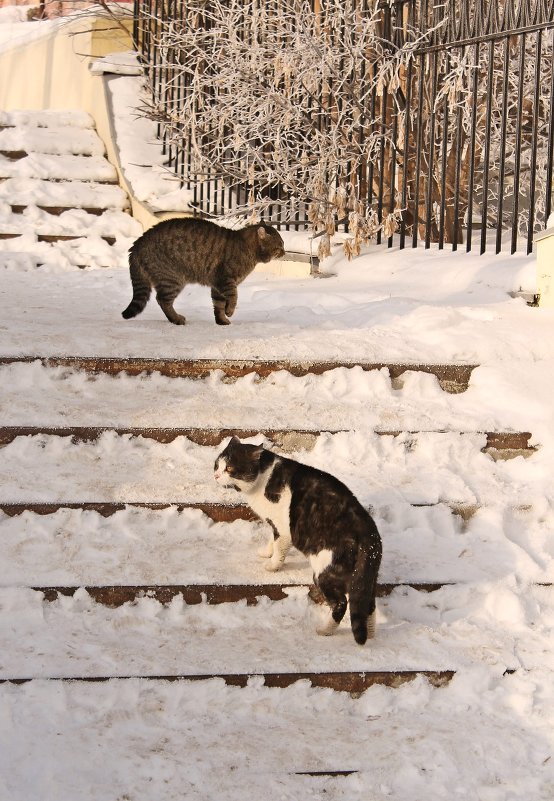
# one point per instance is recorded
(341, 112)
(281, 97)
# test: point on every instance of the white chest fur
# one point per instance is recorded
(277, 512)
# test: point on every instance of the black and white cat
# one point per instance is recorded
(320, 516)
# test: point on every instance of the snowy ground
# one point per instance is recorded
(487, 736)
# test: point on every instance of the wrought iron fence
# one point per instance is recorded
(466, 130)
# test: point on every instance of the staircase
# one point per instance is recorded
(123, 559)
(60, 205)
(192, 545)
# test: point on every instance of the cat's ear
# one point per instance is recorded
(262, 233)
(234, 441)
(258, 452)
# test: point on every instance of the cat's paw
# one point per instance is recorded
(327, 628)
(273, 567)
(326, 623)
(223, 321)
(178, 320)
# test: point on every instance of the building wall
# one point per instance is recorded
(50, 9)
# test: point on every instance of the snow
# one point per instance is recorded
(55, 163)
(47, 118)
(145, 167)
(451, 629)
(183, 740)
(15, 30)
(77, 193)
(165, 546)
(56, 140)
(487, 735)
(59, 168)
(419, 468)
(118, 64)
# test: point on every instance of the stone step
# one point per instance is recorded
(117, 595)
(452, 378)
(512, 442)
(57, 211)
(217, 512)
(354, 682)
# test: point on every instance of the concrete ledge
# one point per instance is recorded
(293, 265)
(545, 268)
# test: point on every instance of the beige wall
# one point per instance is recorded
(52, 71)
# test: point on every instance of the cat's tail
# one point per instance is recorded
(141, 287)
(363, 587)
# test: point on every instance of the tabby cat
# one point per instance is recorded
(184, 251)
(320, 516)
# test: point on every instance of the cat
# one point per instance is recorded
(184, 251)
(321, 517)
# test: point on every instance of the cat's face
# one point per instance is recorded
(238, 465)
(270, 243)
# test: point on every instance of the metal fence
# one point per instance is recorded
(467, 133)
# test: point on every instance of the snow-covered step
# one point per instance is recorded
(46, 118)
(344, 681)
(115, 595)
(453, 628)
(22, 192)
(504, 444)
(453, 378)
(52, 165)
(70, 140)
(59, 168)
(413, 468)
(50, 238)
(60, 253)
(217, 512)
(344, 398)
(177, 546)
(34, 222)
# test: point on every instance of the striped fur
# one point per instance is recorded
(180, 251)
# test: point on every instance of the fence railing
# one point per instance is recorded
(465, 128)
